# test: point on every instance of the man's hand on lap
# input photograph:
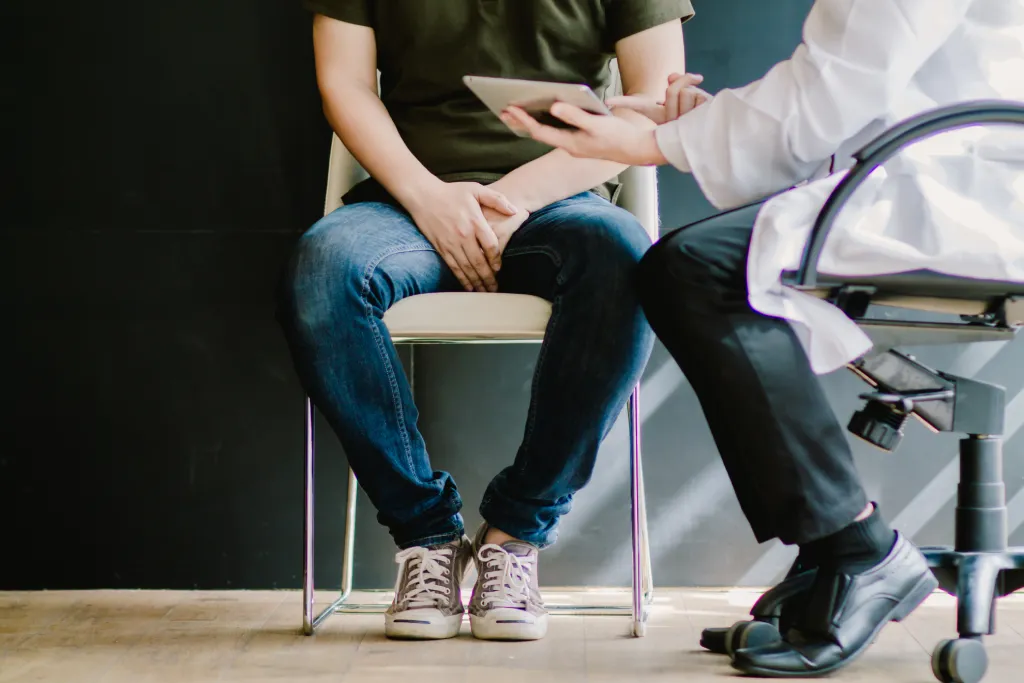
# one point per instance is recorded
(504, 226)
(451, 217)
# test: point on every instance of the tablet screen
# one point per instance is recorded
(534, 97)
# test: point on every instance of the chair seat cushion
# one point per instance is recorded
(890, 334)
(929, 284)
(468, 316)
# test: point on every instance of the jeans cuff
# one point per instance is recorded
(455, 534)
(541, 539)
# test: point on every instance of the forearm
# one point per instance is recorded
(558, 175)
(363, 124)
(645, 61)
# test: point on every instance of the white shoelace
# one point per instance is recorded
(507, 577)
(428, 573)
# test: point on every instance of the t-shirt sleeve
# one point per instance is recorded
(624, 18)
(349, 11)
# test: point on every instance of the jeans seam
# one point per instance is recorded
(543, 251)
(396, 398)
(541, 357)
(552, 322)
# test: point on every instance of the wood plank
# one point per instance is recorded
(279, 652)
(936, 620)
(196, 640)
(231, 637)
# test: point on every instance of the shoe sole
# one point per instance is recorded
(398, 627)
(713, 640)
(494, 627)
(924, 587)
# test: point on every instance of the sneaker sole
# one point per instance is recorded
(498, 626)
(404, 627)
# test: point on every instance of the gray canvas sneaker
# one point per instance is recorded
(506, 602)
(428, 604)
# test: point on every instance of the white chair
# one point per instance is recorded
(466, 318)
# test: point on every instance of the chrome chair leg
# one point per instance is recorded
(349, 554)
(638, 518)
(307, 527)
(645, 539)
(309, 621)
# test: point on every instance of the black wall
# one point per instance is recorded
(165, 157)
(167, 154)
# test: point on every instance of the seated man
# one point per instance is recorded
(864, 65)
(457, 201)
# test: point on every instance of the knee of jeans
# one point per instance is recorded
(609, 247)
(323, 279)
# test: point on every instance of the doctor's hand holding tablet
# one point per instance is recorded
(573, 118)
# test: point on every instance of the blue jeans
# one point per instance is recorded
(348, 269)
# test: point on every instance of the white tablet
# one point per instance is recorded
(534, 97)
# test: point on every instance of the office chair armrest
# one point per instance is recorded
(883, 148)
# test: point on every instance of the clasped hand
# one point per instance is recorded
(469, 226)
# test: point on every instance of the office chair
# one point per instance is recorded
(980, 567)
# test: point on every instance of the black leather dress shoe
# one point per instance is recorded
(843, 615)
(772, 614)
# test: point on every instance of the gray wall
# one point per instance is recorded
(473, 402)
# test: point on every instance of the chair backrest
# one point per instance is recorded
(639, 194)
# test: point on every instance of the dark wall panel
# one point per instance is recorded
(166, 156)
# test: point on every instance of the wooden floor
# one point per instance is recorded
(151, 637)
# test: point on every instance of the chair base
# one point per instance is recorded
(341, 605)
(977, 580)
(980, 568)
(642, 591)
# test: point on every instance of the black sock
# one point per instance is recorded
(853, 549)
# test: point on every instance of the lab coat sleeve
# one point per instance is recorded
(856, 58)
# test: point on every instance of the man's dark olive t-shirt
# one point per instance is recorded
(425, 47)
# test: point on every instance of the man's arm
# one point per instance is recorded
(448, 214)
(346, 70)
(645, 61)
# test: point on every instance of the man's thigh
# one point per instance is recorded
(579, 237)
(374, 249)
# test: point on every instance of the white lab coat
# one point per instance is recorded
(953, 204)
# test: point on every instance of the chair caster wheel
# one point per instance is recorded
(959, 661)
(749, 634)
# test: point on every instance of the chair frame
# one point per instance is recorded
(639, 190)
